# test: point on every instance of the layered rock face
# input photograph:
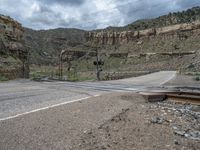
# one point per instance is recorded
(12, 47)
(112, 38)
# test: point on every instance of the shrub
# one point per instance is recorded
(3, 78)
(197, 78)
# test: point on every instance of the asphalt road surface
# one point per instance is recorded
(54, 115)
(21, 97)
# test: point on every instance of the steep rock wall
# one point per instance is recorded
(112, 38)
(13, 53)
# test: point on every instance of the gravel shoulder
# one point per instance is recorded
(55, 128)
(120, 121)
(145, 126)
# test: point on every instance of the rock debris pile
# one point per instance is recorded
(187, 123)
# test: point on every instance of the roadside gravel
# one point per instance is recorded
(119, 121)
(55, 128)
(143, 126)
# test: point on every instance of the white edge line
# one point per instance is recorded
(170, 78)
(48, 107)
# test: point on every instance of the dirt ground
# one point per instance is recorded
(143, 126)
(163, 125)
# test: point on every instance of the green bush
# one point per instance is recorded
(3, 78)
(197, 78)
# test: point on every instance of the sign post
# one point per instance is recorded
(98, 63)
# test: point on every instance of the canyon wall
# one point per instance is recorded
(111, 38)
(13, 54)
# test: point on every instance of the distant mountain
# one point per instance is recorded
(45, 45)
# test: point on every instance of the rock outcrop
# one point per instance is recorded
(111, 38)
(12, 46)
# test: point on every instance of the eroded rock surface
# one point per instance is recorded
(14, 55)
(111, 38)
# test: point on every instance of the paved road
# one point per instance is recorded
(22, 97)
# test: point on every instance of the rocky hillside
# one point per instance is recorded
(13, 53)
(156, 44)
(46, 45)
(181, 31)
(169, 42)
(174, 47)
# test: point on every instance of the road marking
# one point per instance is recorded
(170, 78)
(131, 89)
(48, 107)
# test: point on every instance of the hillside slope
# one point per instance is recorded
(46, 45)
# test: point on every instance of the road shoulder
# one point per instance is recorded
(57, 127)
(113, 121)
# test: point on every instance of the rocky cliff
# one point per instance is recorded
(13, 54)
(173, 47)
(111, 38)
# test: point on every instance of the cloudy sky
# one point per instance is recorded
(88, 14)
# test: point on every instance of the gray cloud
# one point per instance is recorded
(87, 14)
(187, 3)
(63, 2)
(145, 9)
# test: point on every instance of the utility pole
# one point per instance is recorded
(97, 65)
(61, 64)
(60, 67)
